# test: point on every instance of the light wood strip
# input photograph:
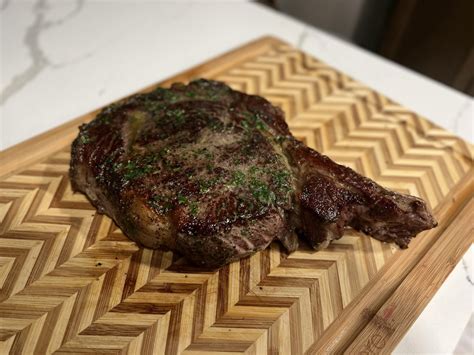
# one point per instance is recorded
(394, 318)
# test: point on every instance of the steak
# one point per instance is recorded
(215, 175)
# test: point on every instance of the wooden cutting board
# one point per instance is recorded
(71, 282)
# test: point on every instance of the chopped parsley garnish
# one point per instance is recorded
(253, 120)
(167, 94)
(281, 179)
(255, 169)
(161, 203)
(84, 138)
(262, 192)
(205, 185)
(132, 171)
(193, 208)
(182, 200)
(238, 178)
(178, 115)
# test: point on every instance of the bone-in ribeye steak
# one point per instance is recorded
(215, 175)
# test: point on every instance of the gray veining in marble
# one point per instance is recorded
(39, 60)
(466, 270)
(301, 38)
(457, 125)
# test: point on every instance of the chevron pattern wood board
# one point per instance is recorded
(71, 282)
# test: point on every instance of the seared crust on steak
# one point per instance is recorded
(215, 175)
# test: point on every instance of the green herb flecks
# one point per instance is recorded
(104, 116)
(238, 178)
(282, 181)
(254, 170)
(259, 123)
(206, 185)
(167, 94)
(203, 151)
(251, 120)
(134, 171)
(245, 124)
(182, 200)
(160, 203)
(85, 138)
(154, 107)
(117, 166)
(261, 192)
(177, 115)
(193, 208)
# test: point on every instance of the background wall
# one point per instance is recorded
(337, 16)
(432, 37)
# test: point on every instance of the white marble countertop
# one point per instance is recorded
(63, 58)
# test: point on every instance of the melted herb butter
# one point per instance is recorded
(177, 116)
(182, 200)
(262, 192)
(267, 185)
(154, 107)
(135, 122)
(238, 178)
(282, 180)
(137, 167)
